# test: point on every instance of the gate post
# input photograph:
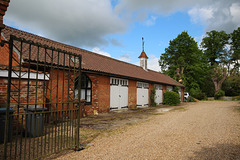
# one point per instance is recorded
(77, 136)
(8, 96)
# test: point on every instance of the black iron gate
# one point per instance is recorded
(42, 113)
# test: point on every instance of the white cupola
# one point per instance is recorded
(143, 57)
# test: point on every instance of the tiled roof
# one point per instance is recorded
(143, 55)
(95, 62)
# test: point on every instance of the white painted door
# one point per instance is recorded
(142, 94)
(114, 97)
(180, 94)
(123, 100)
(118, 93)
(158, 96)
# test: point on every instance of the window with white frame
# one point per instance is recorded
(86, 88)
(142, 85)
(117, 81)
(158, 86)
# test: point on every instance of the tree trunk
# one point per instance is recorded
(218, 83)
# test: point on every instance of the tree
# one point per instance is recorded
(235, 48)
(184, 61)
(214, 45)
(219, 75)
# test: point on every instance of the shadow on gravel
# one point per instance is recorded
(219, 151)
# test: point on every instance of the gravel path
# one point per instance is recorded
(205, 130)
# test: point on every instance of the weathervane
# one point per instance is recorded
(143, 43)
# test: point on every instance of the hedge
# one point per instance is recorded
(171, 98)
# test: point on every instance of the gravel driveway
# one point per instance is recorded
(205, 130)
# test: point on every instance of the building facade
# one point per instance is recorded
(106, 83)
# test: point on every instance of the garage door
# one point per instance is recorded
(180, 95)
(158, 96)
(142, 94)
(118, 93)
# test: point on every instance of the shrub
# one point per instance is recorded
(198, 94)
(152, 97)
(171, 98)
(231, 86)
(219, 94)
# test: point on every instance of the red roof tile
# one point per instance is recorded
(95, 62)
(143, 55)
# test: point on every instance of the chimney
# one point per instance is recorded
(143, 57)
(3, 8)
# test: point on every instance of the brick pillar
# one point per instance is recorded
(164, 88)
(182, 94)
(3, 8)
(151, 86)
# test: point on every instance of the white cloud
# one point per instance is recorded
(99, 51)
(125, 58)
(81, 22)
(151, 21)
(218, 15)
(214, 15)
(235, 12)
(87, 23)
(200, 14)
(157, 6)
(153, 63)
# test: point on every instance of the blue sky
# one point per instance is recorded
(115, 27)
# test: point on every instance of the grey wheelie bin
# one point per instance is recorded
(34, 120)
(3, 112)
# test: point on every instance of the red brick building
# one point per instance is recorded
(106, 83)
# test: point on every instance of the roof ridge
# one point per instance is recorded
(68, 46)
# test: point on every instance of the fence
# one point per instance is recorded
(40, 108)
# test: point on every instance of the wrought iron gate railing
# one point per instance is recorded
(42, 107)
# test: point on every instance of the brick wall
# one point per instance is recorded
(3, 8)
(104, 94)
(60, 90)
(4, 56)
(100, 94)
(132, 94)
(19, 101)
(24, 96)
(151, 86)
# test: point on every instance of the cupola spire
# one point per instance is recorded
(143, 57)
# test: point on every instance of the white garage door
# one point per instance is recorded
(142, 94)
(118, 93)
(180, 94)
(158, 96)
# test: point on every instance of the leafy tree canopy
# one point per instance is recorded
(235, 48)
(184, 61)
(214, 44)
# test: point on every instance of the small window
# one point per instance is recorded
(86, 88)
(158, 86)
(139, 85)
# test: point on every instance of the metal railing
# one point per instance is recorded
(42, 114)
